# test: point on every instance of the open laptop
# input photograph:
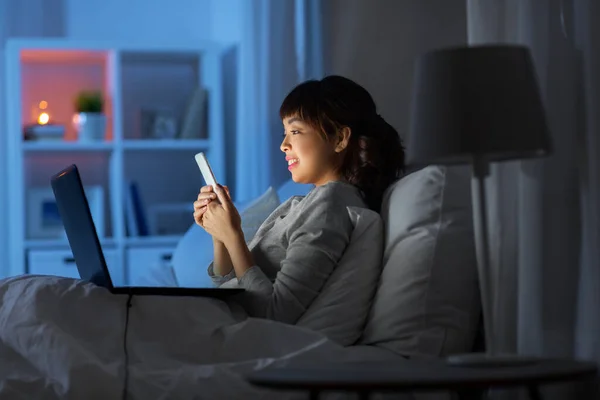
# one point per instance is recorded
(81, 232)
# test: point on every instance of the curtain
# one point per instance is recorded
(267, 72)
(309, 39)
(544, 222)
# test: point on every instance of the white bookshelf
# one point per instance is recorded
(65, 146)
(164, 169)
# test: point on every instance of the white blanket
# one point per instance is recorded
(64, 338)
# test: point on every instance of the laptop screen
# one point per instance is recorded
(79, 226)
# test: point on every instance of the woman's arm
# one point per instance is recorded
(222, 264)
(220, 269)
(240, 256)
(318, 236)
(316, 244)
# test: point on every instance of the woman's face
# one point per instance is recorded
(310, 158)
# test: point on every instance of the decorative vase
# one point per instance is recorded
(91, 126)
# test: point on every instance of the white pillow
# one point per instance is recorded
(257, 211)
(427, 302)
(341, 309)
(194, 252)
(159, 276)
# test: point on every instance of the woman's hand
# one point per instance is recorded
(221, 219)
(205, 197)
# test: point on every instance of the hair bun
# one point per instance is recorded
(373, 126)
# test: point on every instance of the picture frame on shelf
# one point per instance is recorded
(158, 123)
(43, 218)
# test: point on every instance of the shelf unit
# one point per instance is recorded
(126, 73)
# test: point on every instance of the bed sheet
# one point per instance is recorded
(62, 338)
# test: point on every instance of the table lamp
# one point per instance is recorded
(477, 105)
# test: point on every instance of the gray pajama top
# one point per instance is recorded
(295, 250)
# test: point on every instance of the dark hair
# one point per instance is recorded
(374, 157)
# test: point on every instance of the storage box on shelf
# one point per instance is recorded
(162, 105)
(61, 262)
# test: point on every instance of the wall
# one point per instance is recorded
(376, 42)
(159, 20)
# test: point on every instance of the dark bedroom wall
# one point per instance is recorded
(376, 42)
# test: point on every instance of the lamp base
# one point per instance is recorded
(484, 360)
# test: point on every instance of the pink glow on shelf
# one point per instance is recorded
(63, 56)
(56, 77)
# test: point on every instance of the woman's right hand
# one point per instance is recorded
(206, 195)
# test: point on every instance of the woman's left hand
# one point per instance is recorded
(221, 219)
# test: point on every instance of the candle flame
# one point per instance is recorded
(43, 118)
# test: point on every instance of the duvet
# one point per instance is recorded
(62, 338)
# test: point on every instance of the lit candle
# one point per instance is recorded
(43, 117)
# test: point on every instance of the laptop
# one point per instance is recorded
(81, 233)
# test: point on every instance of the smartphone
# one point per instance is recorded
(205, 169)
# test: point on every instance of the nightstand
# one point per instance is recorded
(412, 375)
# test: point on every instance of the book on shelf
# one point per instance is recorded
(135, 213)
(193, 125)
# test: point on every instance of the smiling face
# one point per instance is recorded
(311, 158)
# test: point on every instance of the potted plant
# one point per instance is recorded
(90, 119)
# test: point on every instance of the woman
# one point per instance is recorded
(333, 138)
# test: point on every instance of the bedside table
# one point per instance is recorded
(410, 375)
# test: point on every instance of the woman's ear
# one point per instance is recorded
(342, 139)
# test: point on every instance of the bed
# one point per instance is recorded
(66, 338)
